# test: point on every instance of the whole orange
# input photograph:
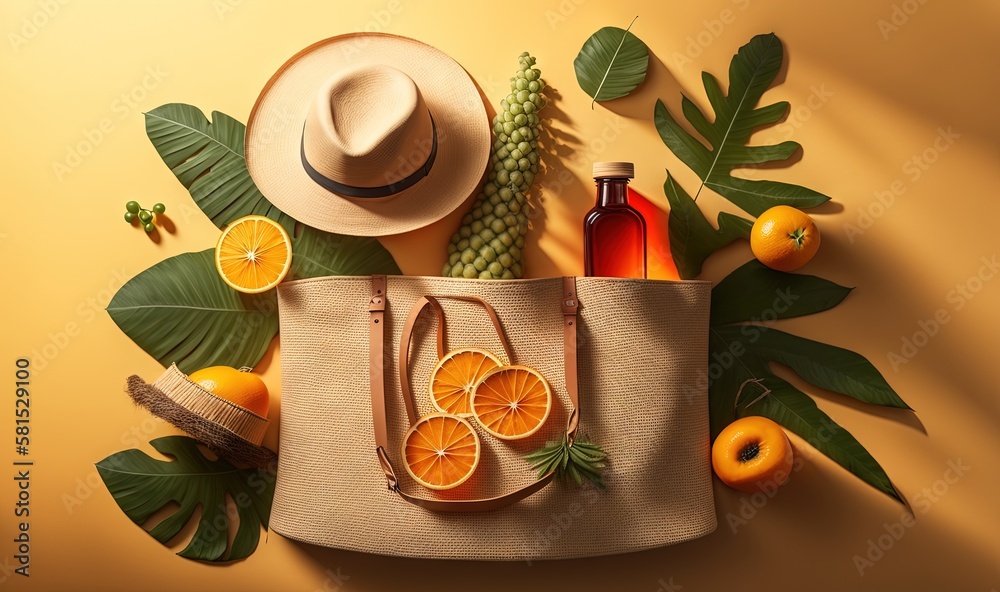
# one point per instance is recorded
(752, 454)
(236, 386)
(784, 238)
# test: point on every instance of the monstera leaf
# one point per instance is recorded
(142, 486)
(692, 237)
(744, 351)
(751, 72)
(207, 158)
(180, 311)
(611, 63)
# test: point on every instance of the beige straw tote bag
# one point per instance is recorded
(626, 362)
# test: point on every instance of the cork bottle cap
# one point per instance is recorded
(621, 170)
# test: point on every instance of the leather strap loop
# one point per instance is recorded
(407, 342)
(377, 308)
(570, 306)
(376, 353)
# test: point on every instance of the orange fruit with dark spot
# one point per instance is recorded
(784, 238)
(752, 454)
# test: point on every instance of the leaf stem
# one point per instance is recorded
(739, 393)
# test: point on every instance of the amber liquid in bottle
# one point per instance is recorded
(614, 233)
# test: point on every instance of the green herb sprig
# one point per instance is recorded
(577, 461)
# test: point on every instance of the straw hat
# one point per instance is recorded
(229, 430)
(368, 134)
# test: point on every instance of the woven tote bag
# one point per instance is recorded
(626, 361)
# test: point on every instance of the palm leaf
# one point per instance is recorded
(180, 311)
(611, 63)
(142, 486)
(581, 460)
(207, 157)
(752, 70)
(316, 253)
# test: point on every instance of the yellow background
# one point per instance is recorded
(867, 99)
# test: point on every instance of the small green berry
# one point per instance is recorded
(132, 207)
(129, 216)
(148, 227)
(159, 208)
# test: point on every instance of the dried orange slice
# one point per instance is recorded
(512, 402)
(455, 375)
(253, 254)
(441, 451)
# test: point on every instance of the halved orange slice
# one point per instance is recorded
(441, 451)
(455, 375)
(253, 254)
(512, 402)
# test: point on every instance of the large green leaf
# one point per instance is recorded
(760, 392)
(692, 238)
(208, 159)
(142, 485)
(611, 63)
(751, 72)
(741, 381)
(755, 292)
(180, 311)
(833, 368)
(316, 253)
(796, 411)
(727, 374)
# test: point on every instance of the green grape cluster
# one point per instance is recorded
(489, 243)
(134, 211)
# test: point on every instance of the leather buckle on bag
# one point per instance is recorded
(570, 303)
(376, 304)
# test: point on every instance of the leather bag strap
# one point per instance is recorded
(377, 307)
(407, 342)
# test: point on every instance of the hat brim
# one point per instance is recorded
(274, 134)
(219, 439)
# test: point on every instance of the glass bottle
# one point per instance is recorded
(614, 233)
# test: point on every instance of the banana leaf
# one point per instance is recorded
(207, 157)
(181, 311)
